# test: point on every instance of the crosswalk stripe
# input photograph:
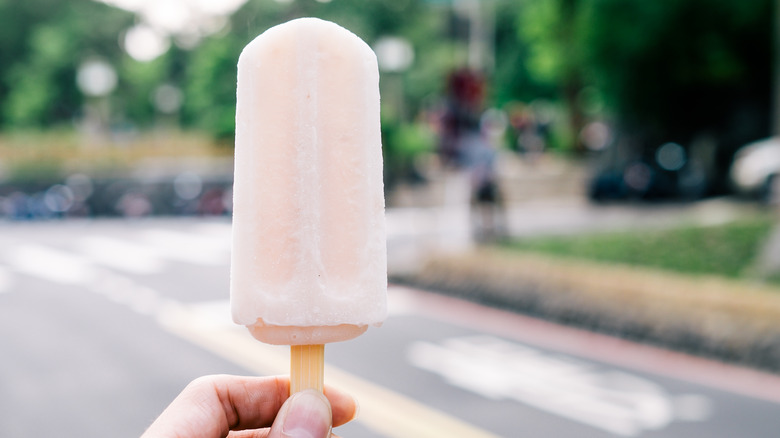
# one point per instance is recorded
(188, 247)
(52, 264)
(382, 410)
(147, 252)
(121, 254)
(5, 280)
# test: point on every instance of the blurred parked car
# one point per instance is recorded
(666, 172)
(756, 170)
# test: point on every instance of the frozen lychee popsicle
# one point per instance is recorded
(309, 263)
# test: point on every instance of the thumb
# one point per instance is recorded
(305, 414)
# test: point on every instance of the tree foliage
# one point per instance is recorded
(42, 43)
(666, 69)
(678, 66)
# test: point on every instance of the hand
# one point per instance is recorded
(255, 407)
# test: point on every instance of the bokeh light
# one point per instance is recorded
(96, 77)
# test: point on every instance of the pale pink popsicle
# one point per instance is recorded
(309, 259)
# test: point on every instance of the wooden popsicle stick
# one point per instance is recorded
(307, 367)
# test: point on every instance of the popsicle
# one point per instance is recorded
(309, 257)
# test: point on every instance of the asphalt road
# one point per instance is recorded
(102, 323)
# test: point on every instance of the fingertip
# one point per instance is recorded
(305, 414)
(356, 414)
(344, 406)
(355, 410)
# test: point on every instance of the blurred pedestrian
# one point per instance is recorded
(463, 104)
(466, 149)
(531, 132)
(487, 212)
(213, 406)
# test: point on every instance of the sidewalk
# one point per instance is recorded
(546, 198)
(417, 232)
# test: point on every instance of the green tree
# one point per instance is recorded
(210, 87)
(551, 30)
(678, 66)
(516, 76)
(42, 42)
(668, 70)
(684, 70)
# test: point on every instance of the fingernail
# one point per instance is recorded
(308, 416)
(357, 410)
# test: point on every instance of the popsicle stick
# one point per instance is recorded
(307, 365)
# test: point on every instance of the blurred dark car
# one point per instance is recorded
(662, 173)
(756, 170)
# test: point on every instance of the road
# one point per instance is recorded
(103, 322)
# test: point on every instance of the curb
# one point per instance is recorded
(704, 315)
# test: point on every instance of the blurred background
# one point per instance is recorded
(605, 164)
(645, 101)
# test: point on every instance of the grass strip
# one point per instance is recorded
(727, 249)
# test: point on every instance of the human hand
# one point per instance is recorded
(251, 407)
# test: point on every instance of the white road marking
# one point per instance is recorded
(5, 280)
(68, 268)
(137, 297)
(121, 254)
(222, 231)
(209, 314)
(188, 247)
(617, 402)
(146, 253)
(52, 264)
(585, 344)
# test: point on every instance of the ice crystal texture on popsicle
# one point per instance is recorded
(309, 247)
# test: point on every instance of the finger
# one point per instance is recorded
(304, 414)
(210, 406)
(238, 395)
(345, 408)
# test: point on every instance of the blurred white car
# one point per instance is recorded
(756, 169)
